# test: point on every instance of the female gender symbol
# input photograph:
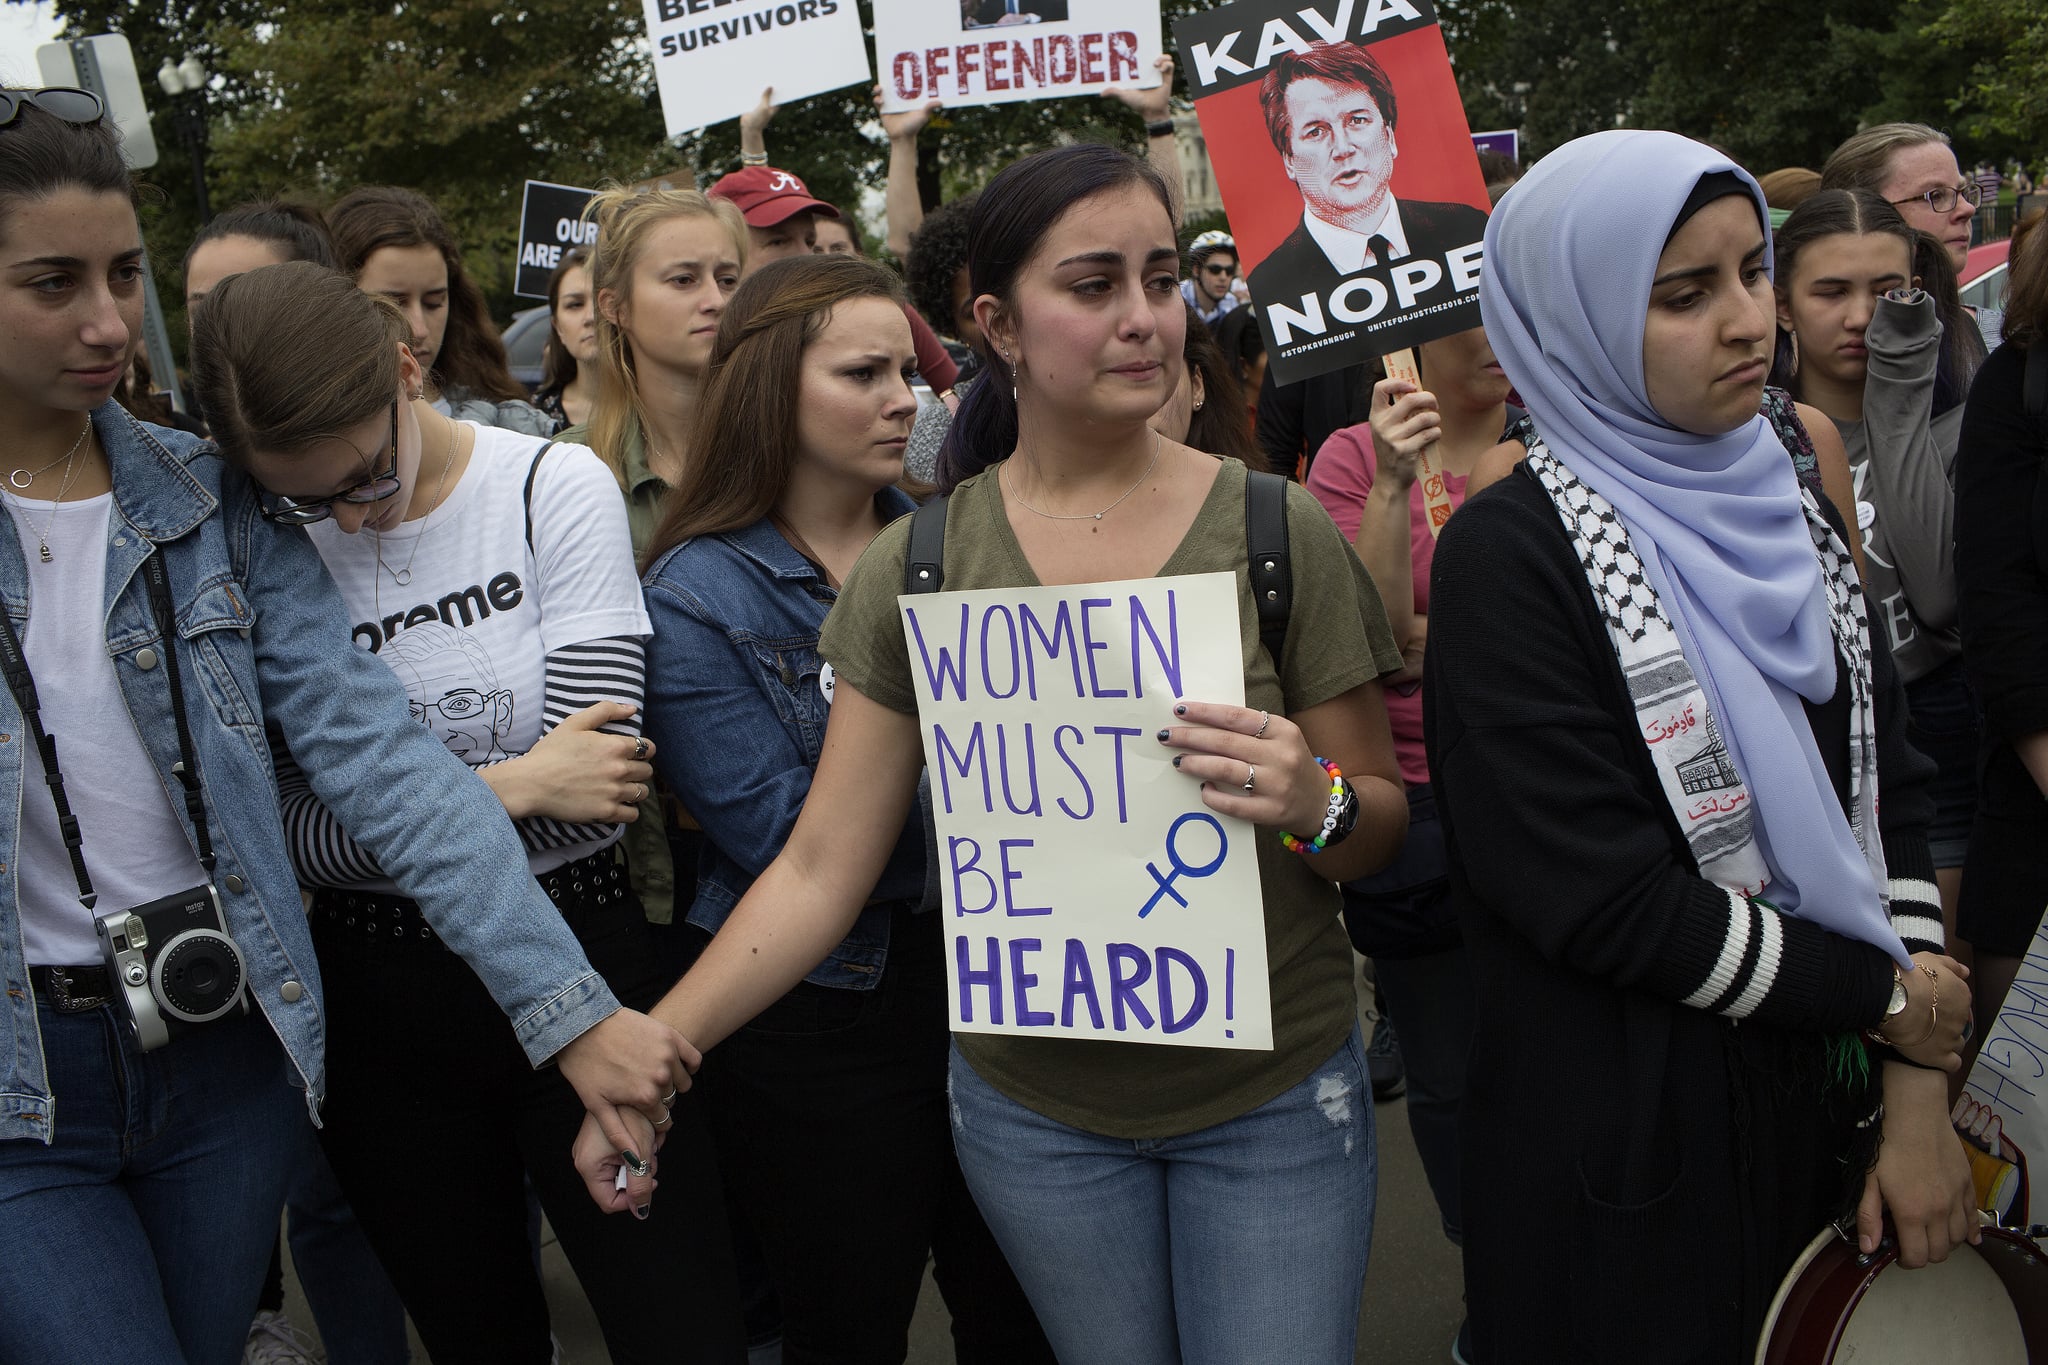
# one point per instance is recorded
(1165, 880)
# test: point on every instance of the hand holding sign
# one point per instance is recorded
(1251, 764)
(1405, 421)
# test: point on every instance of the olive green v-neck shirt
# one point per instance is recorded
(1337, 639)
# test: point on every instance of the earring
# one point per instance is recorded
(1198, 404)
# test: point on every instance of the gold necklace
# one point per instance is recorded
(403, 576)
(22, 478)
(1086, 516)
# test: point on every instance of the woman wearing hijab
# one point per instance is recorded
(1659, 735)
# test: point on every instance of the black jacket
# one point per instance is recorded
(1298, 265)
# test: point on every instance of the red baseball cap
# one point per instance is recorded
(766, 196)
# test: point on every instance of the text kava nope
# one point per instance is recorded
(1279, 36)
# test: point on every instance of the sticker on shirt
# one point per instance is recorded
(454, 690)
(825, 680)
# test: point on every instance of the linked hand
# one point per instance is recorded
(582, 775)
(629, 1066)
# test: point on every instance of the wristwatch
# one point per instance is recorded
(1347, 818)
(1897, 1006)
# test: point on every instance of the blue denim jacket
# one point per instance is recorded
(737, 714)
(264, 640)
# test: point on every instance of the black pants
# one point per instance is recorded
(834, 1136)
(435, 1119)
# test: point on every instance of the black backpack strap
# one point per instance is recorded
(2035, 387)
(1265, 541)
(532, 473)
(924, 566)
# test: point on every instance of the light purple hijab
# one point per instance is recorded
(1571, 252)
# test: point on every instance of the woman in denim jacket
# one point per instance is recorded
(840, 1084)
(140, 1190)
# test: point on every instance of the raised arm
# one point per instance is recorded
(902, 202)
(1155, 106)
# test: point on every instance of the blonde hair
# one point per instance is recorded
(1864, 162)
(293, 354)
(624, 217)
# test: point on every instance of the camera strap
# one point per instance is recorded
(14, 664)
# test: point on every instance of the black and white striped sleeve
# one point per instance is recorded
(322, 852)
(578, 676)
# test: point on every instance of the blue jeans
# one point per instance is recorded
(1246, 1241)
(360, 1317)
(142, 1232)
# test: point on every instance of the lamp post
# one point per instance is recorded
(184, 82)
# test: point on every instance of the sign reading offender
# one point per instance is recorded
(1000, 51)
(1348, 171)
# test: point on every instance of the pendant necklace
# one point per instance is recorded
(403, 577)
(22, 478)
(56, 506)
(1090, 516)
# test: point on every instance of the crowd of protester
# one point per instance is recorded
(599, 858)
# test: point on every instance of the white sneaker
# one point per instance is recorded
(274, 1341)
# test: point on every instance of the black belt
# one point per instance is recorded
(596, 884)
(72, 990)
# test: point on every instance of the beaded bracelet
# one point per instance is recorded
(1300, 845)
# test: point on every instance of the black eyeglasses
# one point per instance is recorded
(1943, 200)
(305, 511)
(66, 102)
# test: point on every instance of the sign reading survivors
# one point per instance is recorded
(712, 58)
(998, 51)
(1089, 893)
(1348, 171)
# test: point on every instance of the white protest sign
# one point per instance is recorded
(712, 58)
(1000, 51)
(1088, 891)
(2002, 1112)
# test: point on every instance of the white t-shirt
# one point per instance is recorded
(135, 844)
(470, 631)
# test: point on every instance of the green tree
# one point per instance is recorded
(2003, 101)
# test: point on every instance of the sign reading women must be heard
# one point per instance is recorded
(1088, 891)
(999, 51)
(713, 57)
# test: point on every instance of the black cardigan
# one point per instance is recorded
(2002, 596)
(1638, 1173)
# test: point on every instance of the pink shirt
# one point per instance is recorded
(1341, 479)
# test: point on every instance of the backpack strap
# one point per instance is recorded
(924, 565)
(1265, 541)
(2035, 386)
(532, 473)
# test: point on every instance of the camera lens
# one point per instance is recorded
(198, 976)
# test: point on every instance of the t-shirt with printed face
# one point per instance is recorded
(1337, 639)
(469, 630)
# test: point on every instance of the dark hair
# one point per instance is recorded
(290, 355)
(2026, 283)
(41, 154)
(938, 252)
(853, 232)
(745, 440)
(558, 367)
(297, 231)
(1498, 168)
(1011, 217)
(472, 358)
(1837, 212)
(1218, 426)
(1337, 63)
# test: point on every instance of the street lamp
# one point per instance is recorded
(184, 82)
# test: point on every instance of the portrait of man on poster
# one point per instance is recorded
(1332, 114)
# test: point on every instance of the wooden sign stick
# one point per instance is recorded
(1435, 497)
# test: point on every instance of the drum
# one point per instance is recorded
(1986, 1304)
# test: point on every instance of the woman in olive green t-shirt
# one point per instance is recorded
(1158, 1203)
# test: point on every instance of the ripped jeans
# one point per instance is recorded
(1242, 1242)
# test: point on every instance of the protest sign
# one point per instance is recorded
(550, 223)
(1089, 893)
(1347, 169)
(2002, 1112)
(999, 51)
(1505, 142)
(712, 58)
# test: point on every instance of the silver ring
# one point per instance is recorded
(1265, 719)
(642, 796)
(639, 747)
(668, 1121)
(1251, 775)
(673, 1096)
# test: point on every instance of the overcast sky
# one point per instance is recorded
(22, 29)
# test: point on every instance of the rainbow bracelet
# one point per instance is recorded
(1299, 845)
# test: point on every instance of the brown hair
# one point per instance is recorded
(558, 367)
(1218, 426)
(1864, 162)
(472, 358)
(2026, 283)
(624, 217)
(1788, 187)
(1339, 64)
(745, 441)
(290, 355)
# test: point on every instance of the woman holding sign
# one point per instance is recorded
(1713, 1014)
(842, 1082)
(1159, 1203)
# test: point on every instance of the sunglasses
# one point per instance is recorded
(284, 511)
(1216, 270)
(65, 102)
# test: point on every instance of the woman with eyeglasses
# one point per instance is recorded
(492, 573)
(161, 625)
